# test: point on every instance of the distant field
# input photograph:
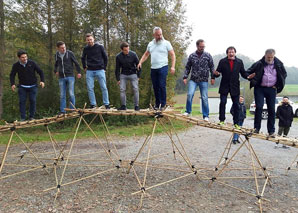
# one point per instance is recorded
(290, 89)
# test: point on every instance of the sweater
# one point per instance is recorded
(94, 58)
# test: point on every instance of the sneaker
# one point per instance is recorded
(123, 107)
(234, 141)
(22, 119)
(61, 113)
(186, 114)
(221, 123)
(285, 147)
(137, 108)
(92, 106)
(206, 119)
(256, 131)
(237, 126)
(31, 119)
(271, 135)
(238, 141)
(108, 106)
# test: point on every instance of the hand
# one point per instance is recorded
(185, 81)
(85, 69)
(216, 73)
(79, 75)
(13, 87)
(212, 81)
(118, 82)
(41, 84)
(57, 74)
(172, 70)
(251, 76)
(139, 66)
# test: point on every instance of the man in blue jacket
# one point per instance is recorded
(64, 60)
(26, 70)
(95, 60)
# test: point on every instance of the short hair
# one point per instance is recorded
(59, 43)
(230, 48)
(199, 41)
(21, 52)
(241, 96)
(124, 44)
(157, 28)
(286, 97)
(89, 35)
(270, 51)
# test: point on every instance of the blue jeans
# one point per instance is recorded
(159, 82)
(236, 136)
(23, 94)
(270, 94)
(204, 96)
(101, 77)
(63, 84)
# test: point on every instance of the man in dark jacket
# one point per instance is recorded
(230, 67)
(199, 65)
(95, 60)
(64, 60)
(127, 61)
(267, 76)
(242, 116)
(26, 70)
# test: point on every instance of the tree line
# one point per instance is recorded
(36, 26)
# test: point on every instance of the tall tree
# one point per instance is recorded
(2, 53)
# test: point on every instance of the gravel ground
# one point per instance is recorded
(111, 191)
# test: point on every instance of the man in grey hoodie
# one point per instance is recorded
(64, 60)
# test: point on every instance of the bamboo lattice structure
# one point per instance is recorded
(114, 162)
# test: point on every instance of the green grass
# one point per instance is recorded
(40, 134)
(290, 89)
(195, 108)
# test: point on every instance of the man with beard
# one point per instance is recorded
(159, 49)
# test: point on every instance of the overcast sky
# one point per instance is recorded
(252, 26)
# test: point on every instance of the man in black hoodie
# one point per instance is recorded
(95, 60)
(64, 60)
(267, 76)
(26, 70)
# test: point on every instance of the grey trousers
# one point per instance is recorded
(283, 131)
(135, 87)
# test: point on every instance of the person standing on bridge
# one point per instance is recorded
(199, 63)
(127, 61)
(95, 60)
(268, 77)
(159, 49)
(230, 67)
(64, 60)
(26, 70)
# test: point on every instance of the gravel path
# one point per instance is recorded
(111, 192)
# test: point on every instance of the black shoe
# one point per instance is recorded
(256, 131)
(137, 108)
(61, 113)
(234, 141)
(107, 106)
(92, 106)
(22, 119)
(238, 141)
(31, 119)
(271, 135)
(285, 147)
(123, 107)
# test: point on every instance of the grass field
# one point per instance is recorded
(290, 89)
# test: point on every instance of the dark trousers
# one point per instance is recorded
(222, 108)
(23, 94)
(283, 130)
(269, 93)
(159, 82)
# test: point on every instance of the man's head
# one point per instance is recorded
(200, 45)
(157, 34)
(124, 48)
(89, 39)
(285, 100)
(269, 56)
(231, 52)
(22, 55)
(241, 99)
(61, 47)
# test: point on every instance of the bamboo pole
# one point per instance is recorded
(5, 152)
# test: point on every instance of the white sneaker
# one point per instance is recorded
(206, 119)
(186, 114)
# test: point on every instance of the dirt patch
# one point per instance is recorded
(111, 191)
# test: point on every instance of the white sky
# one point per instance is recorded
(252, 26)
